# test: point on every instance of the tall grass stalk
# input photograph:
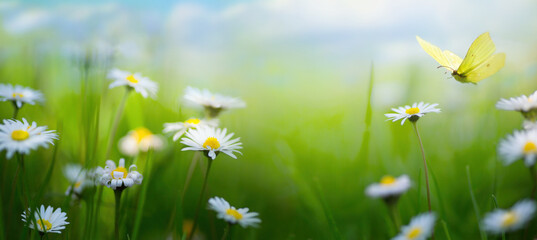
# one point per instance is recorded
(444, 225)
(181, 192)
(363, 153)
(143, 193)
(2, 231)
(474, 202)
(202, 194)
(113, 130)
(49, 172)
(415, 126)
(226, 231)
(327, 212)
(190, 172)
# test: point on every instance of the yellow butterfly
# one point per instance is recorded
(478, 64)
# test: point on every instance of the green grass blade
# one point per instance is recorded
(444, 225)
(140, 208)
(51, 167)
(328, 213)
(474, 202)
(364, 148)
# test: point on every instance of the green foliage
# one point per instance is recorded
(302, 167)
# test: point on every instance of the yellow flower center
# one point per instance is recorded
(18, 94)
(211, 142)
(234, 213)
(44, 224)
(77, 184)
(120, 169)
(530, 147)
(193, 121)
(19, 135)
(412, 111)
(509, 219)
(414, 233)
(140, 133)
(131, 79)
(387, 180)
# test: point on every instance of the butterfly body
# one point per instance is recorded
(479, 63)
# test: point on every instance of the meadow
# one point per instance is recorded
(314, 137)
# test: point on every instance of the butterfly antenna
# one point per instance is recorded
(447, 67)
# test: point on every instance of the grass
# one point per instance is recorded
(311, 146)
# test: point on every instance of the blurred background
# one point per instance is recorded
(304, 68)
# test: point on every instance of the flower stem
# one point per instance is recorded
(209, 163)
(22, 181)
(226, 231)
(534, 181)
(181, 193)
(119, 112)
(424, 165)
(191, 168)
(15, 112)
(117, 194)
(533, 177)
(394, 213)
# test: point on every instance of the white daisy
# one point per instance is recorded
(232, 215)
(48, 220)
(179, 128)
(519, 145)
(389, 187)
(213, 103)
(19, 95)
(77, 178)
(139, 140)
(21, 137)
(211, 141)
(139, 83)
(501, 220)
(413, 113)
(118, 177)
(522, 104)
(420, 228)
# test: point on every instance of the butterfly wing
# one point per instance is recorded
(480, 51)
(444, 58)
(490, 66)
(453, 59)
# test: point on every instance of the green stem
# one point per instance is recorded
(534, 181)
(16, 111)
(141, 204)
(226, 231)
(117, 194)
(119, 112)
(191, 168)
(182, 193)
(533, 177)
(474, 203)
(23, 182)
(198, 207)
(394, 213)
(424, 165)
